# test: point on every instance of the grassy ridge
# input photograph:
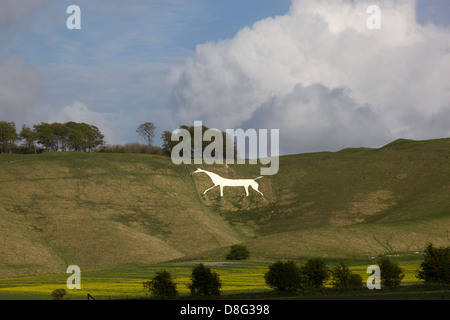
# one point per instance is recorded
(115, 210)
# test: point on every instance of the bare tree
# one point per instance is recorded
(147, 131)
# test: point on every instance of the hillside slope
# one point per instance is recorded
(100, 210)
(108, 210)
(352, 203)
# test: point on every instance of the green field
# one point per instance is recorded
(126, 282)
(115, 212)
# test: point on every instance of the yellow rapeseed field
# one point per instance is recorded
(127, 282)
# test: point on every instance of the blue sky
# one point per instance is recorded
(114, 71)
(115, 39)
(144, 30)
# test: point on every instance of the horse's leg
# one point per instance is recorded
(259, 191)
(255, 187)
(246, 190)
(221, 190)
(209, 189)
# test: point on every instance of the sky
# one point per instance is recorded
(312, 69)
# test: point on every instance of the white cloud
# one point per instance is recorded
(315, 115)
(79, 112)
(320, 68)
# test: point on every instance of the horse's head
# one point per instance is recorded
(197, 171)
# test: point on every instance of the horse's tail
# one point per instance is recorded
(258, 178)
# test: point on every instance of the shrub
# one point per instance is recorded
(284, 276)
(162, 285)
(435, 266)
(204, 281)
(343, 278)
(356, 281)
(238, 252)
(59, 294)
(391, 273)
(315, 272)
(133, 148)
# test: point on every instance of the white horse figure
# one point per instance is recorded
(224, 182)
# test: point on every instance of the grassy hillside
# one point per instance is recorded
(100, 210)
(354, 202)
(111, 210)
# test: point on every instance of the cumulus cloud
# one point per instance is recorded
(315, 115)
(320, 71)
(79, 112)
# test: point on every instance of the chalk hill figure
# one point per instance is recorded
(224, 182)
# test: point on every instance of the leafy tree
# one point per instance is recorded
(59, 294)
(204, 281)
(8, 136)
(284, 276)
(147, 131)
(162, 285)
(84, 137)
(93, 137)
(342, 277)
(315, 272)
(391, 273)
(238, 252)
(435, 266)
(29, 136)
(52, 136)
(45, 135)
(356, 281)
(168, 144)
(60, 134)
(69, 136)
(76, 142)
